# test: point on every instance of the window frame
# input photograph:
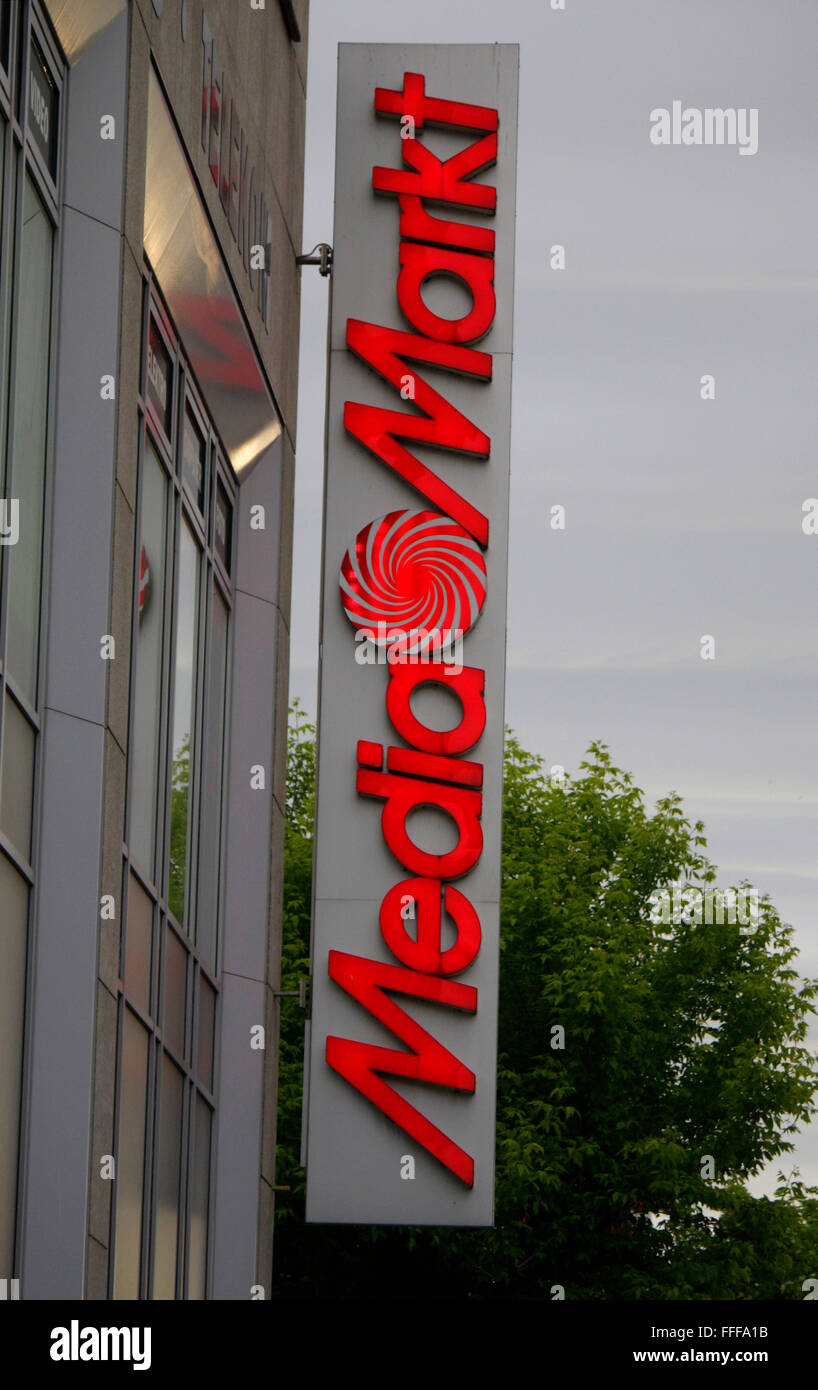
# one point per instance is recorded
(200, 972)
(21, 158)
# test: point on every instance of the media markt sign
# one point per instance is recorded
(402, 1053)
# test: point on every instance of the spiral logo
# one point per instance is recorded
(412, 580)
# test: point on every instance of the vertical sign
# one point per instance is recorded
(402, 1055)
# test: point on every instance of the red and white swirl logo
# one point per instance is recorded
(413, 580)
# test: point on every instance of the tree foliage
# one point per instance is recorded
(684, 1055)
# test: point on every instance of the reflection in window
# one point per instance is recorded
(130, 1173)
(167, 1181)
(159, 379)
(2, 209)
(27, 245)
(5, 34)
(212, 765)
(138, 946)
(175, 993)
(13, 927)
(16, 778)
(184, 673)
(176, 751)
(194, 452)
(223, 526)
(200, 1196)
(33, 308)
(5, 492)
(147, 683)
(204, 1046)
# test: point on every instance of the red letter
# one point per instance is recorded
(428, 1060)
(418, 225)
(413, 101)
(425, 953)
(416, 764)
(434, 768)
(477, 272)
(405, 794)
(444, 426)
(443, 180)
(467, 685)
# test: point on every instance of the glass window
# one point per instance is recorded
(179, 691)
(13, 928)
(138, 946)
(33, 308)
(130, 1173)
(183, 705)
(42, 108)
(175, 993)
(204, 1044)
(223, 526)
(17, 777)
(200, 1197)
(5, 34)
(167, 1182)
(193, 460)
(212, 771)
(2, 221)
(159, 379)
(28, 214)
(8, 203)
(147, 694)
(5, 493)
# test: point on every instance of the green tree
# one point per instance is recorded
(683, 1057)
(295, 965)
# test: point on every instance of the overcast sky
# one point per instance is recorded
(683, 516)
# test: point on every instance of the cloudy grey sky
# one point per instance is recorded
(683, 516)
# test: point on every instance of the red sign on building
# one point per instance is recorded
(405, 939)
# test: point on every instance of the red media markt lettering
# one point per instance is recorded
(431, 771)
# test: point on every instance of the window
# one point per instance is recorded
(172, 868)
(31, 81)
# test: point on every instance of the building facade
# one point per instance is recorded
(151, 154)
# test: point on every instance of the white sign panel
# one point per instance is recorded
(402, 1061)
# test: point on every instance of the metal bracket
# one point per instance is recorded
(300, 994)
(323, 258)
